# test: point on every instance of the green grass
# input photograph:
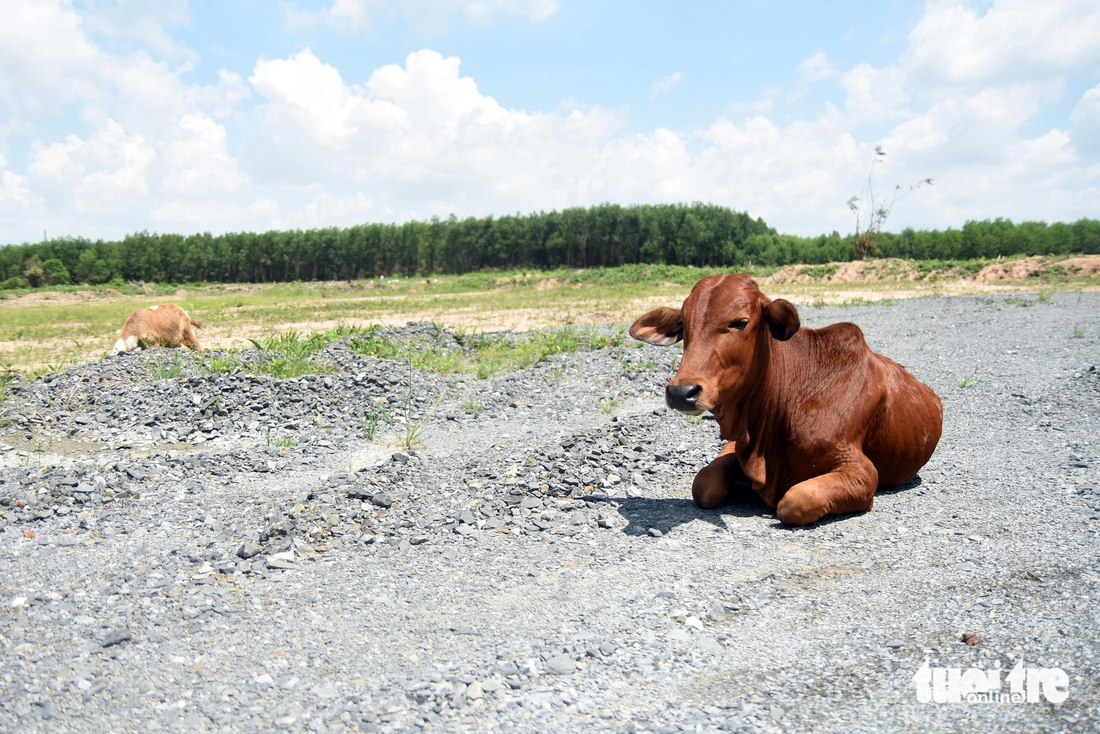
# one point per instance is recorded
(694, 420)
(637, 366)
(966, 381)
(405, 421)
(289, 355)
(280, 441)
(482, 355)
(43, 328)
(1077, 332)
(369, 421)
(163, 368)
(608, 405)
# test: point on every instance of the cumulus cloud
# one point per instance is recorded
(874, 94)
(46, 58)
(415, 124)
(103, 172)
(1086, 122)
(197, 162)
(664, 85)
(13, 191)
(328, 210)
(309, 145)
(1017, 39)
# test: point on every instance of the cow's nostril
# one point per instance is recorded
(682, 397)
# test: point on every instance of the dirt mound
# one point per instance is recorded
(857, 271)
(1033, 267)
(895, 269)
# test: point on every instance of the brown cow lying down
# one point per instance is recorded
(814, 419)
(166, 325)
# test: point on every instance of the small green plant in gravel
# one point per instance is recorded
(1077, 332)
(7, 374)
(694, 420)
(1043, 297)
(289, 355)
(473, 406)
(368, 421)
(165, 368)
(968, 380)
(280, 441)
(219, 363)
(608, 405)
(921, 347)
(637, 366)
(404, 422)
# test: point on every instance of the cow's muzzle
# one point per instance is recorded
(683, 397)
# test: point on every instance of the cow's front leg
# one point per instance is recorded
(848, 488)
(712, 483)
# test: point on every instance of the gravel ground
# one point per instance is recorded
(171, 562)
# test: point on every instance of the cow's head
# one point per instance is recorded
(725, 323)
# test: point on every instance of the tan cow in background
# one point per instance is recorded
(166, 325)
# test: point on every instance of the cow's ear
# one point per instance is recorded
(661, 326)
(782, 319)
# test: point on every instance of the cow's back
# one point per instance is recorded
(849, 382)
(906, 428)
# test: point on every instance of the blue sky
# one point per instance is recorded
(175, 116)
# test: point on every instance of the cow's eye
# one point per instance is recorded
(739, 324)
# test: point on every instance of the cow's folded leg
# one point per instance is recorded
(714, 480)
(849, 488)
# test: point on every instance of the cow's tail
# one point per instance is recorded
(196, 324)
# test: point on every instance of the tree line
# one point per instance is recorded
(607, 235)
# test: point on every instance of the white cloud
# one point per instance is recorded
(874, 94)
(103, 172)
(318, 148)
(810, 71)
(427, 16)
(664, 85)
(46, 58)
(414, 124)
(263, 209)
(197, 162)
(1021, 39)
(13, 192)
(328, 210)
(1086, 122)
(143, 21)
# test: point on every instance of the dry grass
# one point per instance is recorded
(44, 331)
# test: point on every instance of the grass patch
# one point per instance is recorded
(483, 355)
(968, 380)
(369, 421)
(407, 421)
(1077, 332)
(280, 441)
(163, 368)
(289, 355)
(637, 366)
(608, 405)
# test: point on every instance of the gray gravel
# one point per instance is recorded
(171, 562)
